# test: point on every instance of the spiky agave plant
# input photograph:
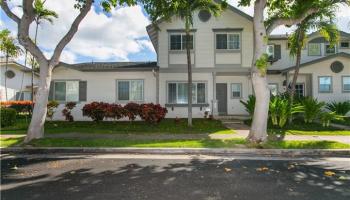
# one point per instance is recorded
(312, 109)
(327, 117)
(249, 105)
(340, 108)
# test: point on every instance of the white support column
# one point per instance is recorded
(214, 105)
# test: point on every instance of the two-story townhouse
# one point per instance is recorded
(221, 55)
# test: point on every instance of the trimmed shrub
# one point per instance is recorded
(132, 110)
(67, 111)
(115, 111)
(152, 113)
(8, 116)
(19, 106)
(95, 110)
(51, 108)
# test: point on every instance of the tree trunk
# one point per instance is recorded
(189, 68)
(5, 78)
(33, 63)
(296, 72)
(258, 130)
(36, 127)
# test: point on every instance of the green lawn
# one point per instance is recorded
(306, 145)
(204, 143)
(125, 127)
(299, 128)
(9, 142)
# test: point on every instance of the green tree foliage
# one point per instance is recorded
(8, 44)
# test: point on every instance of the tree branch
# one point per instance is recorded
(289, 21)
(9, 13)
(23, 31)
(69, 35)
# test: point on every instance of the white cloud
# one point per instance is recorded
(99, 37)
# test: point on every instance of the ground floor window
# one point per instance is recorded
(236, 90)
(346, 83)
(66, 91)
(273, 88)
(23, 96)
(299, 90)
(178, 92)
(325, 84)
(130, 90)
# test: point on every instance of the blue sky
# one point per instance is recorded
(118, 36)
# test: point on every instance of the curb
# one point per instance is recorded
(178, 151)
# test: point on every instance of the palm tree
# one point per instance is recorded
(184, 9)
(41, 14)
(8, 45)
(321, 21)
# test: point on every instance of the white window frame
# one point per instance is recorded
(303, 85)
(227, 41)
(308, 49)
(331, 86)
(64, 81)
(130, 80)
(196, 88)
(183, 35)
(240, 91)
(342, 84)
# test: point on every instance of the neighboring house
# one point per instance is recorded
(222, 52)
(18, 81)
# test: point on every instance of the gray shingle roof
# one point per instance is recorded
(112, 66)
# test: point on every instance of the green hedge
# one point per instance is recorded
(8, 117)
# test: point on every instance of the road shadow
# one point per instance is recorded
(171, 179)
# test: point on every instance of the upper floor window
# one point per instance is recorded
(270, 50)
(177, 92)
(228, 41)
(344, 44)
(330, 49)
(130, 90)
(314, 49)
(346, 83)
(178, 41)
(325, 84)
(66, 91)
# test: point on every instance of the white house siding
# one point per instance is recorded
(14, 84)
(101, 86)
(164, 78)
(323, 69)
(288, 61)
(204, 40)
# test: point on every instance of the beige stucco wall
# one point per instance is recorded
(204, 38)
(323, 69)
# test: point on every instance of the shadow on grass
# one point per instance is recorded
(169, 179)
(11, 142)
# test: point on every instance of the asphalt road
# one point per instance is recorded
(120, 177)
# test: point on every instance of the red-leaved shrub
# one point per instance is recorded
(67, 111)
(115, 111)
(132, 110)
(152, 113)
(95, 110)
